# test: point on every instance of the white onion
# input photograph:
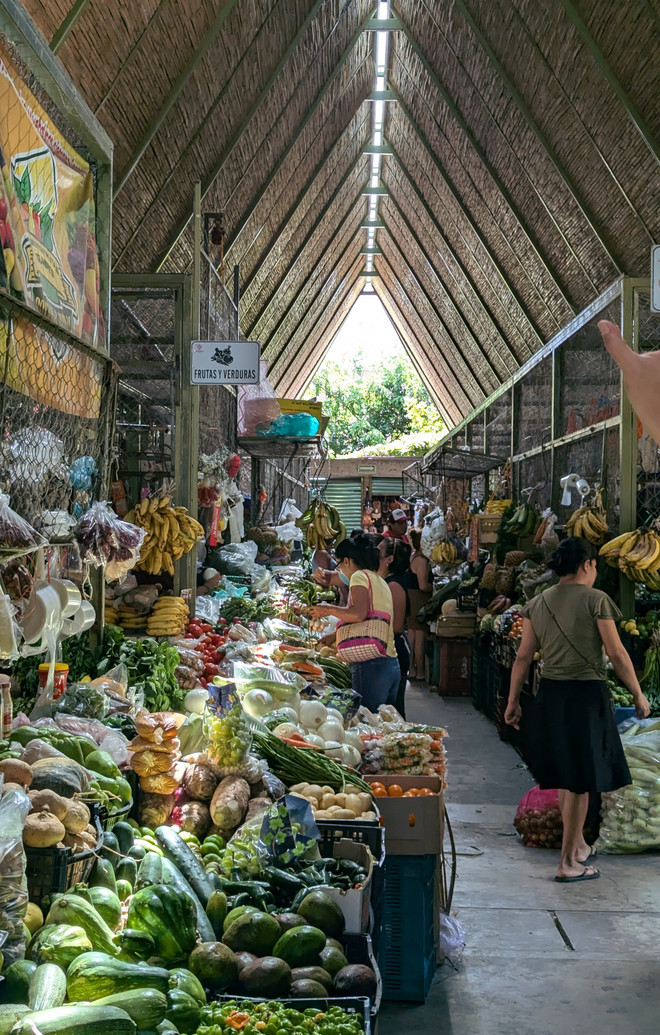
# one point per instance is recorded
(334, 713)
(257, 703)
(315, 740)
(350, 755)
(334, 750)
(331, 730)
(312, 714)
(353, 738)
(195, 700)
(289, 713)
(286, 729)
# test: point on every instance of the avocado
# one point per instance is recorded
(252, 932)
(332, 959)
(214, 964)
(313, 974)
(356, 980)
(244, 959)
(301, 946)
(288, 921)
(307, 990)
(320, 910)
(234, 914)
(269, 977)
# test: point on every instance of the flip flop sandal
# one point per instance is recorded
(592, 853)
(574, 880)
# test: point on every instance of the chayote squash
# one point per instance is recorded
(169, 917)
(73, 909)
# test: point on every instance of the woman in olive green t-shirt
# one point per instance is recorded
(573, 743)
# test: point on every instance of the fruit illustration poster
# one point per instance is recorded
(48, 260)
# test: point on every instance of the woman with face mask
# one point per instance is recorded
(394, 568)
(376, 680)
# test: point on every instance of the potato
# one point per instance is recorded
(353, 803)
(328, 800)
(16, 771)
(50, 800)
(366, 801)
(322, 814)
(327, 790)
(314, 790)
(368, 817)
(340, 799)
(344, 814)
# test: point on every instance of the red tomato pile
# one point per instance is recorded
(210, 645)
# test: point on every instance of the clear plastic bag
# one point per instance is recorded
(227, 728)
(452, 935)
(538, 819)
(107, 541)
(630, 817)
(14, 807)
(208, 608)
(17, 536)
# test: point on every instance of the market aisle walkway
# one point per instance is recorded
(540, 958)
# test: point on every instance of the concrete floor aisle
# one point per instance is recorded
(540, 957)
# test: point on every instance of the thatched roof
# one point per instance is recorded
(522, 179)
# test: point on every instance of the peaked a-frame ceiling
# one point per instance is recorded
(515, 176)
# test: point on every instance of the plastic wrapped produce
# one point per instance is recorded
(16, 535)
(14, 807)
(105, 540)
(538, 819)
(630, 818)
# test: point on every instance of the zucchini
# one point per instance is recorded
(103, 874)
(137, 852)
(124, 890)
(126, 869)
(47, 987)
(188, 865)
(149, 846)
(150, 871)
(94, 975)
(110, 849)
(216, 911)
(10, 1015)
(14, 989)
(174, 879)
(125, 835)
(146, 1006)
(77, 1020)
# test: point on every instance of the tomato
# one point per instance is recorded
(207, 628)
(210, 671)
(204, 682)
(215, 639)
(216, 656)
(222, 621)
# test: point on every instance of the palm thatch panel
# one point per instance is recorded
(496, 361)
(408, 302)
(400, 314)
(327, 245)
(264, 266)
(291, 260)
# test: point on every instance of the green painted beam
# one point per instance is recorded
(371, 251)
(238, 134)
(375, 192)
(376, 149)
(284, 222)
(382, 95)
(636, 117)
(206, 42)
(377, 224)
(528, 115)
(453, 189)
(503, 334)
(382, 25)
(371, 273)
(67, 24)
(512, 204)
(251, 329)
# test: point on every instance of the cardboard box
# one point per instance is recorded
(413, 826)
(302, 406)
(354, 904)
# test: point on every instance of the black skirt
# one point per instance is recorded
(571, 739)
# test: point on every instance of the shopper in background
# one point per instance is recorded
(573, 742)
(397, 525)
(641, 375)
(394, 567)
(377, 680)
(419, 591)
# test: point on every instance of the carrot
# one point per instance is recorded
(286, 648)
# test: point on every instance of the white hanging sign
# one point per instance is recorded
(224, 362)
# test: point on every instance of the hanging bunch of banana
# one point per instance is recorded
(444, 552)
(637, 555)
(322, 525)
(170, 533)
(589, 523)
(524, 521)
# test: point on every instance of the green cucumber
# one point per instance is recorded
(150, 871)
(188, 865)
(77, 1020)
(126, 869)
(14, 989)
(172, 877)
(125, 835)
(216, 911)
(47, 988)
(137, 852)
(146, 1006)
(124, 890)
(11, 1014)
(110, 849)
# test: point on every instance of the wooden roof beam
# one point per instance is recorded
(528, 115)
(634, 114)
(453, 189)
(205, 44)
(490, 315)
(242, 128)
(307, 186)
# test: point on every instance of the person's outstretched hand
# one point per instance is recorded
(641, 373)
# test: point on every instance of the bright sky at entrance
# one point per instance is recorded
(366, 329)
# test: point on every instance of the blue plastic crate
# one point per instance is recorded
(407, 955)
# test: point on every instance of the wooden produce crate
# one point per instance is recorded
(456, 626)
(487, 527)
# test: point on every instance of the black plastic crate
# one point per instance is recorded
(109, 818)
(354, 1004)
(359, 948)
(373, 836)
(54, 870)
